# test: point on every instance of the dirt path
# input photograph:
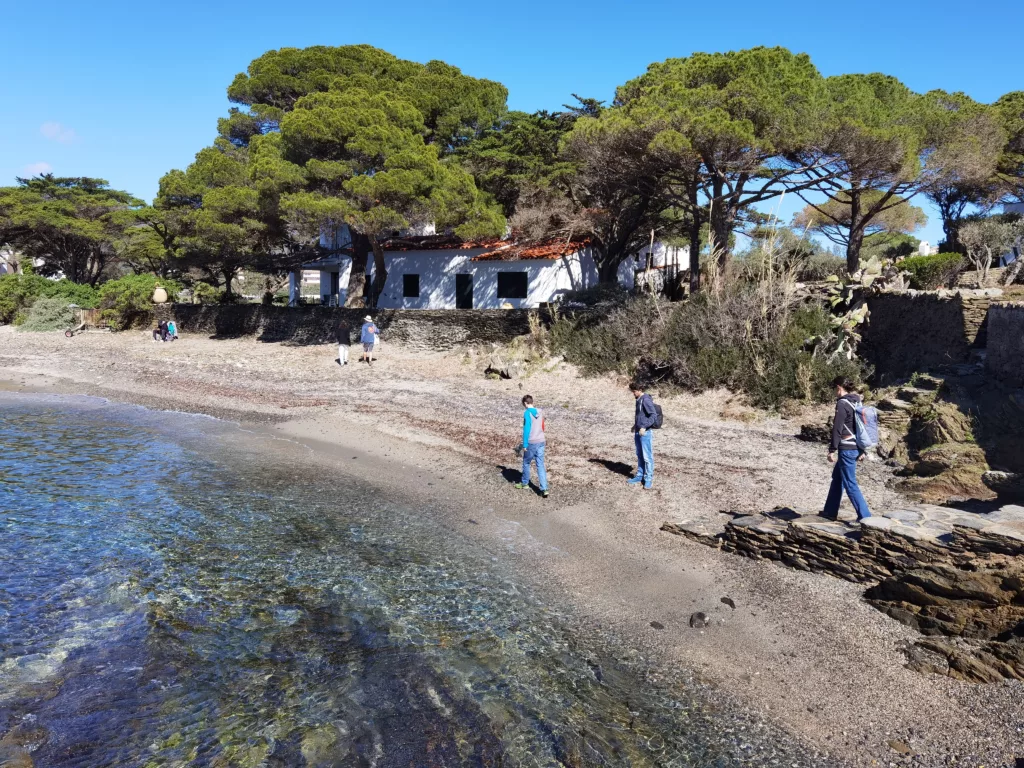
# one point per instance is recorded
(802, 649)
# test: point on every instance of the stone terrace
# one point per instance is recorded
(955, 576)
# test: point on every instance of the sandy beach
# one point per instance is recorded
(801, 650)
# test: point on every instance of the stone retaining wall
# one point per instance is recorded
(913, 331)
(1005, 356)
(424, 329)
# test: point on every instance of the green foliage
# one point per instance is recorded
(707, 342)
(128, 302)
(820, 266)
(930, 272)
(72, 225)
(884, 245)
(17, 292)
(204, 293)
(48, 315)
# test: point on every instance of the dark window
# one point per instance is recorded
(513, 285)
(411, 286)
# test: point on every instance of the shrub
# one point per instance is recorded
(741, 337)
(128, 301)
(204, 293)
(930, 272)
(602, 294)
(75, 293)
(821, 265)
(17, 292)
(48, 314)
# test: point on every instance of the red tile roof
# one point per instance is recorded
(543, 249)
(437, 243)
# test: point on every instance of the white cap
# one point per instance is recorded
(368, 319)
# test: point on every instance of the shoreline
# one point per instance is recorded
(596, 544)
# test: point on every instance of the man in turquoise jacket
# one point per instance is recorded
(534, 442)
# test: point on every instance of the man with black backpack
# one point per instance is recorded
(850, 441)
(648, 417)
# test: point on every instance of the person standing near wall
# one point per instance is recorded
(844, 453)
(534, 443)
(645, 418)
(367, 336)
(344, 334)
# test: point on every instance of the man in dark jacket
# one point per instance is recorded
(844, 442)
(643, 421)
(344, 335)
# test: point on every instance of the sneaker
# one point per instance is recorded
(520, 486)
(545, 494)
(648, 486)
(635, 480)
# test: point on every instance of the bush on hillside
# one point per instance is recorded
(928, 273)
(128, 301)
(48, 314)
(732, 338)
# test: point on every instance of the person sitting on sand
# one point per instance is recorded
(534, 442)
(844, 440)
(368, 336)
(344, 336)
(172, 330)
(644, 419)
(160, 332)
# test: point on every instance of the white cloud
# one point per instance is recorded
(35, 169)
(58, 132)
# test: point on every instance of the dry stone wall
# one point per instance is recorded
(424, 329)
(1005, 350)
(912, 331)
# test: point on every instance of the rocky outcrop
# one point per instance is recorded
(957, 577)
(1009, 484)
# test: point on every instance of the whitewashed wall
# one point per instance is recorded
(547, 279)
(344, 270)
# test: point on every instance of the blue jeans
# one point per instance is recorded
(535, 452)
(645, 456)
(844, 477)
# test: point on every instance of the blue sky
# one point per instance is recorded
(127, 91)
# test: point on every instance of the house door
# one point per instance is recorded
(464, 291)
(335, 286)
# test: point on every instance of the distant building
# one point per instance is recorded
(925, 249)
(446, 272)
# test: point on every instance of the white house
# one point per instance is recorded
(445, 272)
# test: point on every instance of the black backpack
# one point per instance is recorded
(659, 416)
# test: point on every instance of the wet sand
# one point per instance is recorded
(802, 650)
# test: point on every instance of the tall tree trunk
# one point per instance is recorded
(229, 276)
(694, 254)
(608, 262)
(380, 270)
(356, 295)
(856, 240)
(722, 220)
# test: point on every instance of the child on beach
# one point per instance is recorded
(534, 442)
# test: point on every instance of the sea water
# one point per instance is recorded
(174, 591)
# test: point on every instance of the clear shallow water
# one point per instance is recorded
(173, 594)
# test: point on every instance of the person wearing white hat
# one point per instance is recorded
(368, 336)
